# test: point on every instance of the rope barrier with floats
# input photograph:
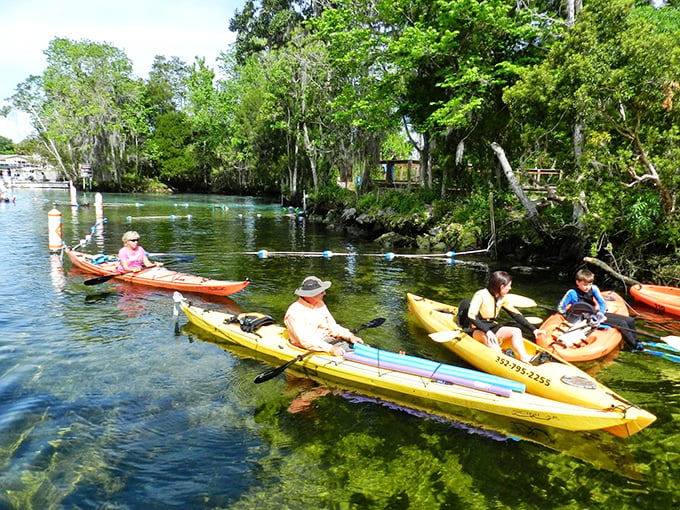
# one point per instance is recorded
(327, 254)
(171, 217)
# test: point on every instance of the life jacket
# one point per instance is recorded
(580, 310)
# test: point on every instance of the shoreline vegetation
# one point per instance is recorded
(551, 131)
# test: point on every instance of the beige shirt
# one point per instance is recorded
(310, 327)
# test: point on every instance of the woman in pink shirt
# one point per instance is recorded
(132, 257)
(310, 323)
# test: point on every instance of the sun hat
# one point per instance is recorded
(312, 286)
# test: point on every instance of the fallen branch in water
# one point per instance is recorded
(610, 270)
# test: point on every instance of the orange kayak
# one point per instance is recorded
(158, 277)
(585, 343)
(663, 299)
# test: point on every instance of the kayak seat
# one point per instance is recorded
(540, 358)
(462, 318)
(579, 311)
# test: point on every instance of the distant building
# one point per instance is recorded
(27, 168)
(13, 161)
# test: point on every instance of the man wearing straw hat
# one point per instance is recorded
(310, 323)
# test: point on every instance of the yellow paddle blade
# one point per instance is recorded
(445, 336)
(520, 301)
(534, 320)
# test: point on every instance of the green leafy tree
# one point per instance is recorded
(440, 67)
(616, 73)
(247, 137)
(6, 145)
(210, 106)
(168, 151)
(176, 164)
(84, 106)
(265, 27)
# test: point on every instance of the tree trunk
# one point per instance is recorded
(529, 206)
(578, 138)
(425, 160)
(572, 9)
(311, 155)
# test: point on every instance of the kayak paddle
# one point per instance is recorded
(520, 301)
(656, 345)
(530, 319)
(664, 355)
(104, 279)
(673, 341)
(270, 374)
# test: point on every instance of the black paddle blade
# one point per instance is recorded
(370, 324)
(270, 374)
(100, 279)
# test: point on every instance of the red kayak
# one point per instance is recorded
(157, 276)
(662, 299)
(581, 342)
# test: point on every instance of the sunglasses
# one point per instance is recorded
(133, 240)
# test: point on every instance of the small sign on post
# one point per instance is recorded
(86, 173)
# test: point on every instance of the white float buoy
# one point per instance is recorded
(99, 208)
(55, 241)
(262, 254)
(73, 194)
(389, 256)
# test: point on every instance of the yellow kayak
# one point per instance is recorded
(394, 384)
(549, 376)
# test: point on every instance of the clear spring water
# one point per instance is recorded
(103, 405)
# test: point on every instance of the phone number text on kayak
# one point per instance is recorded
(520, 369)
